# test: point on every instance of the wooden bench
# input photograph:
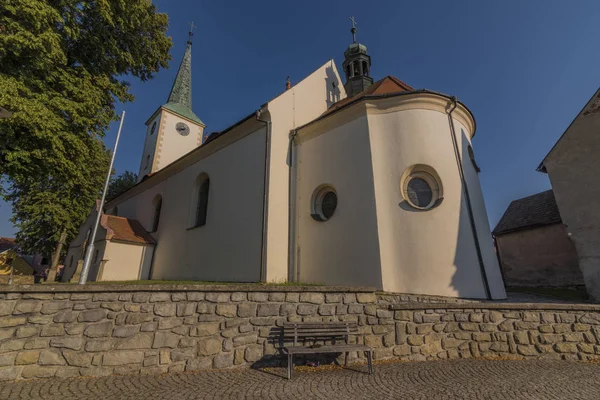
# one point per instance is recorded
(330, 331)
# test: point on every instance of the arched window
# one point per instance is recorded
(365, 68)
(157, 203)
(202, 204)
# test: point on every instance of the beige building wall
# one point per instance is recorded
(228, 247)
(125, 262)
(343, 250)
(539, 257)
(573, 166)
(297, 106)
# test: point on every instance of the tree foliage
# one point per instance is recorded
(120, 184)
(63, 66)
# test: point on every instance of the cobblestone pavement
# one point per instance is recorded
(482, 379)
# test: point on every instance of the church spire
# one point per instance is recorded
(180, 97)
(357, 65)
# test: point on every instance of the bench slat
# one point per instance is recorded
(326, 349)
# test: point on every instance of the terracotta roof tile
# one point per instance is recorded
(387, 85)
(537, 210)
(125, 230)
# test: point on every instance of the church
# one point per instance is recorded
(349, 182)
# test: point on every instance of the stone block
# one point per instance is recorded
(7, 333)
(314, 298)
(77, 358)
(253, 353)
(36, 343)
(101, 329)
(355, 309)
(589, 318)
(112, 306)
(227, 310)
(40, 319)
(415, 340)
(450, 343)
(549, 338)
(522, 325)
(239, 296)
(341, 309)
(245, 339)
(8, 359)
(573, 337)
(178, 297)
(165, 339)
(73, 343)
(7, 307)
(546, 328)
(586, 348)
(451, 327)
(26, 331)
(531, 317)
(467, 326)
(141, 297)
(403, 315)
(65, 316)
(327, 309)
(463, 335)
(148, 327)
(521, 337)
(258, 296)
(403, 350)
(431, 318)
(424, 329)
(92, 315)
(349, 298)
(182, 354)
(169, 322)
(99, 297)
(37, 371)
(223, 360)
(123, 357)
(581, 327)
(562, 328)
(268, 310)
(431, 348)
(186, 309)
(26, 357)
(181, 330)
(125, 331)
(276, 297)
(333, 298)
(566, 347)
(506, 326)
(366, 298)
(138, 318)
(52, 307)
(52, 330)
(6, 322)
(526, 350)
(9, 374)
(566, 318)
(139, 341)
(27, 307)
(165, 309)
(308, 309)
(133, 308)
(286, 309)
(159, 297)
(209, 346)
(51, 357)
(383, 353)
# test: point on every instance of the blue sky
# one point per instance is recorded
(524, 68)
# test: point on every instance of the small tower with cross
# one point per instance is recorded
(357, 65)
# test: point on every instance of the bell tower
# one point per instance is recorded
(174, 129)
(357, 65)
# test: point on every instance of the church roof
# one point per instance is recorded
(125, 230)
(180, 98)
(387, 85)
(529, 212)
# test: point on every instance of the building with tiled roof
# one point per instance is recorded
(533, 245)
(338, 180)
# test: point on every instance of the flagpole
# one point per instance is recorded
(90, 248)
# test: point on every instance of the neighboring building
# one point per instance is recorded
(533, 245)
(573, 166)
(23, 264)
(363, 183)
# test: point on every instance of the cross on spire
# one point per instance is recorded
(353, 30)
(191, 33)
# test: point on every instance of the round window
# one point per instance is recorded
(421, 189)
(324, 204)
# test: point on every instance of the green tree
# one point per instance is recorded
(120, 184)
(63, 66)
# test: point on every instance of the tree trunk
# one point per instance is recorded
(56, 255)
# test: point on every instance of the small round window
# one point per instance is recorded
(421, 187)
(324, 203)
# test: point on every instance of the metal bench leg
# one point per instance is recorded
(370, 358)
(290, 362)
(345, 359)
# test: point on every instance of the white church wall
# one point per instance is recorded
(149, 146)
(431, 251)
(228, 247)
(297, 106)
(343, 250)
(126, 262)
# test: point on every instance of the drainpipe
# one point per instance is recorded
(263, 250)
(468, 199)
(293, 271)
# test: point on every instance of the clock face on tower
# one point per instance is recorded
(182, 129)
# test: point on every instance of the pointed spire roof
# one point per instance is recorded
(180, 98)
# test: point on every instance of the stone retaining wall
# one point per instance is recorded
(68, 330)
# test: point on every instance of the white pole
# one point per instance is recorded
(90, 249)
